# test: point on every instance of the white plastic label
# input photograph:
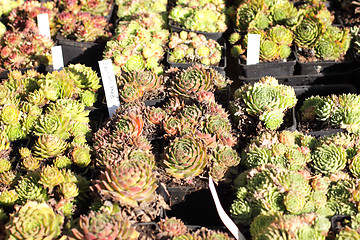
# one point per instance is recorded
(57, 58)
(253, 49)
(222, 214)
(110, 87)
(43, 24)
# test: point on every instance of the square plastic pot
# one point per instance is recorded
(324, 67)
(88, 53)
(273, 69)
(220, 68)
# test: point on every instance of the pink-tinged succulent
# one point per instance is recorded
(28, 49)
(185, 157)
(103, 226)
(129, 183)
(172, 226)
(83, 27)
(195, 79)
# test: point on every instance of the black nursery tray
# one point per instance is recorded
(208, 35)
(273, 69)
(220, 68)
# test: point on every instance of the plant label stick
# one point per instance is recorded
(57, 58)
(222, 214)
(43, 24)
(253, 49)
(110, 87)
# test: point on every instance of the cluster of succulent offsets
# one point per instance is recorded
(83, 27)
(129, 8)
(138, 44)
(194, 48)
(42, 180)
(309, 25)
(266, 100)
(94, 7)
(333, 110)
(25, 15)
(204, 16)
(275, 43)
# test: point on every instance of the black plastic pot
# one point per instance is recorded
(208, 35)
(303, 92)
(273, 69)
(324, 67)
(220, 68)
(88, 53)
(196, 206)
(40, 69)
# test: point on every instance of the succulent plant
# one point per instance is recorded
(205, 17)
(307, 32)
(266, 99)
(34, 221)
(103, 225)
(83, 27)
(29, 188)
(185, 157)
(134, 85)
(195, 79)
(137, 45)
(97, 8)
(284, 13)
(335, 110)
(48, 146)
(127, 8)
(34, 52)
(278, 226)
(7, 6)
(191, 47)
(129, 183)
(172, 226)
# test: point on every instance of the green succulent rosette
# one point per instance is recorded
(28, 188)
(195, 79)
(185, 157)
(48, 146)
(267, 99)
(52, 123)
(130, 183)
(307, 33)
(329, 159)
(34, 221)
(245, 15)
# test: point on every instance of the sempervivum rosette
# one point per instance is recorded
(185, 157)
(329, 158)
(266, 99)
(103, 225)
(133, 85)
(307, 32)
(34, 221)
(129, 183)
(194, 79)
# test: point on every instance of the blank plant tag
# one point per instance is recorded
(57, 58)
(222, 214)
(253, 49)
(43, 24)
(110, 86)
